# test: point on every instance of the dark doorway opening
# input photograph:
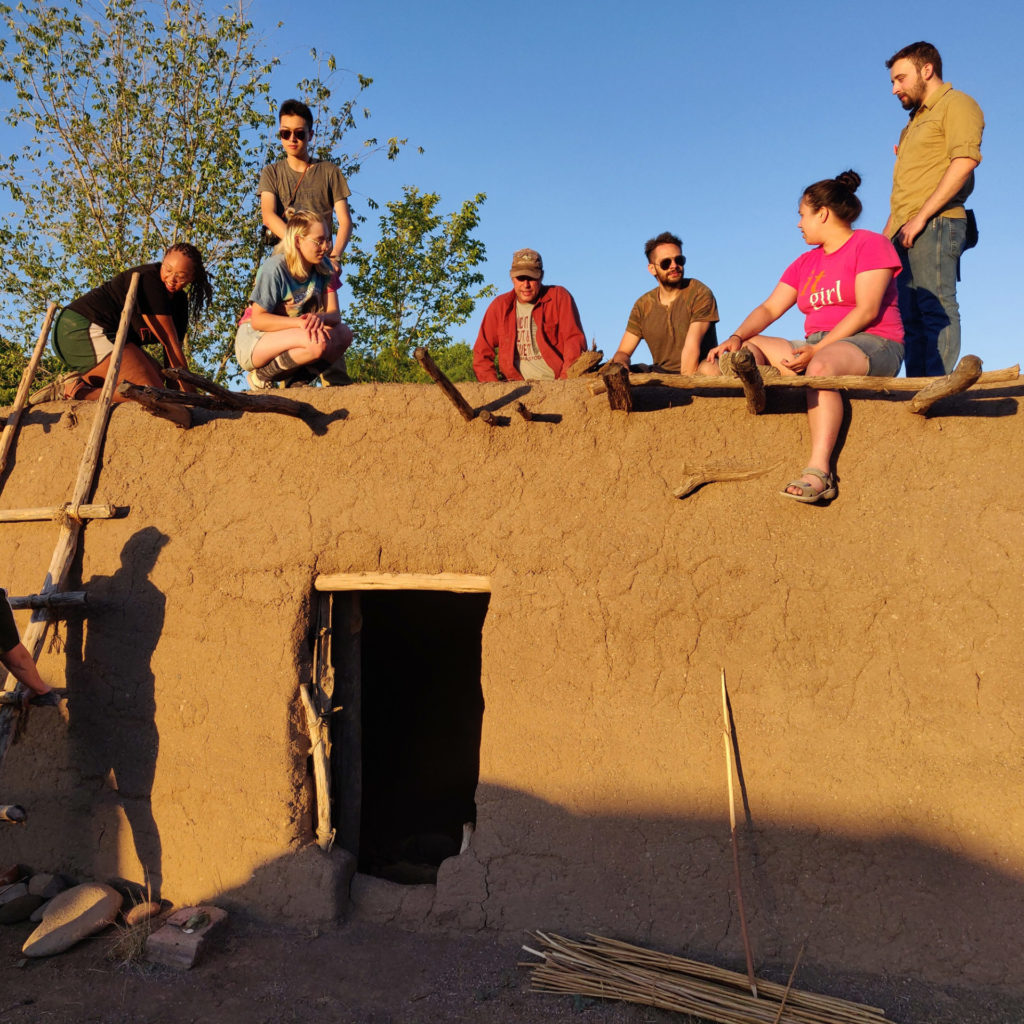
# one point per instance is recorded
(406, 742)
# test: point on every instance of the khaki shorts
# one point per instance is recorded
(246, 339)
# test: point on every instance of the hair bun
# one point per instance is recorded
(848, 179)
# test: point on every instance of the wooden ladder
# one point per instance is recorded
(71, 516)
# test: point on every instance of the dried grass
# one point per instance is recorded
(606, 969)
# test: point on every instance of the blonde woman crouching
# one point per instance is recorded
(291, 331)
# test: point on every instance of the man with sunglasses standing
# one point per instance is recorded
(298, 182)
(535, 328)
(677, 318)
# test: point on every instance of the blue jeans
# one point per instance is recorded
(927, 296)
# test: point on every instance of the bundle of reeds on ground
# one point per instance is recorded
(607, 969)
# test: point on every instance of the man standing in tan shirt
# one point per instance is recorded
(934, 174)
(676, 319)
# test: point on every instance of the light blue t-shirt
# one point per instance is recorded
(276, 291)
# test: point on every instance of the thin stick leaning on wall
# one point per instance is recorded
(7, 440)
(727, 736)
(320, 751)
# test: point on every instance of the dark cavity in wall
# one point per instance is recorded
(406, 756)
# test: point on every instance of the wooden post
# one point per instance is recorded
(320, 745)
(750, 377)
(452, 393)
(65, 511)
(616, 380)
(524, 412)
(67, 542)
(966, 373)
(7, 439)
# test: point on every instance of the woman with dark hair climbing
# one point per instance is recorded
(846, 287)
(171, 293)
(291, 331)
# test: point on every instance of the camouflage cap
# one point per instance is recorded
(527, 263)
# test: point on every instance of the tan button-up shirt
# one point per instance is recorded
(949, 125)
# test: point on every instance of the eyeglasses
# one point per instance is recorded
(286, 133)
(319, 243)
(669, 260)
(525, 277)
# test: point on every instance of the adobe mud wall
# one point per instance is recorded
(872, 651)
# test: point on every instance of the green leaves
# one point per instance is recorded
(413, 286)
(134, 126)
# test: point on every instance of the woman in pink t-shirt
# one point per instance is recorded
(846, 287)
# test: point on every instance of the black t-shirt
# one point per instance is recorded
(103, 305)
(9, 638)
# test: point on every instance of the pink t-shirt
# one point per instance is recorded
(825, 284)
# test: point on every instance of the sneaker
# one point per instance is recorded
(300, 379)
(52, 392)
(255, 384)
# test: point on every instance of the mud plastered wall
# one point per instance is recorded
(871, 649)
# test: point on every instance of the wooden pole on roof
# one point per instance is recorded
(67, 542)
(886, 385)
(451, 392)
(7, 440)
(966, 373)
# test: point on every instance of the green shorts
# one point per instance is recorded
(79, 343)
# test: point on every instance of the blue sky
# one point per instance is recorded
(592, 126)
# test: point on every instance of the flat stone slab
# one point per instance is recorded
(20, 908)
(72, 916)
(46, 885)
(12, 891)
(184, 936)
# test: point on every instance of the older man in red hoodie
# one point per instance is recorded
(534, 329)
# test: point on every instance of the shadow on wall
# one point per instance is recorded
(112, 731)
(890, 920)
(879, 905)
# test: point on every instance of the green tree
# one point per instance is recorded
(140, 124)
(413, 286)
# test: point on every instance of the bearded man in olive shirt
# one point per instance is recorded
(934, 174)
(677, 319)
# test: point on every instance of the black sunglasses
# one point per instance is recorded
(525, 277)
(287, 133)
(669, 260)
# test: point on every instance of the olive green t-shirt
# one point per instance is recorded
(664, 327)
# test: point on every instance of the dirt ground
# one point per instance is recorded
(362, 973)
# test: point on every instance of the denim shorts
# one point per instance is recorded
(885, 357)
